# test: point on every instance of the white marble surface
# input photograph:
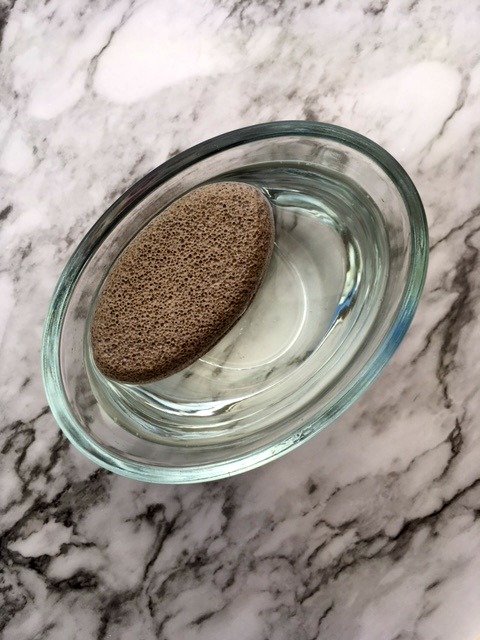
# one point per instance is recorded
(372, 530)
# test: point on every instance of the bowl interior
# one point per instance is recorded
(348, 267)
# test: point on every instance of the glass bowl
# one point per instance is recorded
(348, 268)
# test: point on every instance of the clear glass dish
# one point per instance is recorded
(348, 268)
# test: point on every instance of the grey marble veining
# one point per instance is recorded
(372, 530)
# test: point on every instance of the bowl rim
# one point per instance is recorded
(50, 355)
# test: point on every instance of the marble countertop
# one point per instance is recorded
(372, 530)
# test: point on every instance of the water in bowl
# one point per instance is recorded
(320, 295)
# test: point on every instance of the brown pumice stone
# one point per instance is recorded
(182, 282)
